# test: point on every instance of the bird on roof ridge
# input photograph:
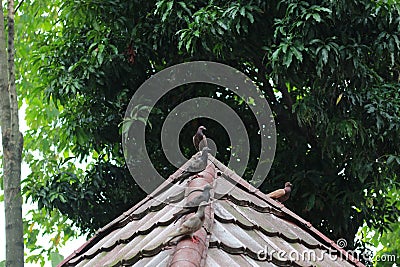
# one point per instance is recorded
(283, 194)
(199, 139)
(190, 225)
(198, 164)
(193, 205)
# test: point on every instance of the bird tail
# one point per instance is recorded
(184, 176)
(172, 235)
(177, 216)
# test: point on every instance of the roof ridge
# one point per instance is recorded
(185, 249)
(244, 212)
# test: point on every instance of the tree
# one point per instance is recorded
(12, 140)
(329, 69)
(387, 242)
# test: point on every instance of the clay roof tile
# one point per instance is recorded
(243, 227)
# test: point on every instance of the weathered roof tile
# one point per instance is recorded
(243, 228)
(159, 260)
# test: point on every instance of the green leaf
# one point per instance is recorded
(188, 44)
(126, 125)
(250, 17)
(317, 17)
(297, 54)
(275, 54)
(62, 198)
(196, 33)
(287, 59)
(100, 55)
(238, 27)
(390, 159)
(311, 202)
(167, 11)
(183, 5)
(222, 25)
(56, 258)
(243, 11)
(324, 54)
(114, 49)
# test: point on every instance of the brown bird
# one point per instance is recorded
(199, 139)
(197, 165)
(191, 225)
(193, 204)
(281, 195)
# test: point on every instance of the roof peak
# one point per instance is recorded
(241, 222)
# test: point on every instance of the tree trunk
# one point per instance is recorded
(12, 145)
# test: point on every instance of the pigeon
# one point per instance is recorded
(199, 139)
(197, 165)
(193, 204)
(191, 225)
(281, 195)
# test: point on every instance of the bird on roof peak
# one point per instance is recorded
(197, 164)
(200, 139)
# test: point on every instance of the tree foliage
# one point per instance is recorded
(387, 243)
(330, 71)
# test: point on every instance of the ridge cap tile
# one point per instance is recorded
(184, 247)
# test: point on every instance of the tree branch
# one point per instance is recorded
(19, 4)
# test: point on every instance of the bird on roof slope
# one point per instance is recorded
(193, 204)
(190, 225)
(281, 195)
(197, 165)
(199, 139)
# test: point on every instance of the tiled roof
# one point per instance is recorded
(243, 227)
